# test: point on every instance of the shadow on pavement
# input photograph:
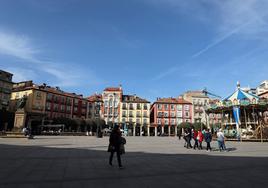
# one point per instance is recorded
(32, 166)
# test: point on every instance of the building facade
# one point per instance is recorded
(263, 87)
(5, 89)
(111, 97)
(134, 115)
(44, 103)
(94, 107)
(199, 101)
(167, 113)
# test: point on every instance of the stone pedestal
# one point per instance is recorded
(20, 119)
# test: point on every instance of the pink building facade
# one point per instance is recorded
(167, 113)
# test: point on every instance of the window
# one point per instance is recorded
(172, 107)
(159, 114)
(56, 107)
(144, 120)
(48, 106)
(110, 111)
(145, 107)
(159, 121)
(145, 114)
(186, 107)
(123, 120)
(179, 114)
(159, 106)
(38, 95)
(166, 106)
(166, 122)
(110, 102)
(105, 103)
(172, 114)
(138, 121)
(124, 114)
(179, 107)
(138, 106)
(173, 122)
(165, 114)
(105, 110)
(179, 120)
(186, 114)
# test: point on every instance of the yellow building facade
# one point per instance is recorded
(134, 115)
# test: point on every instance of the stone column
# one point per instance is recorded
(148, 130)
(168, 130)
(162, 130)
(134, 130)
(176, 130)
(141, 130)
(155, 131)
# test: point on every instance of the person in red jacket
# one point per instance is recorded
(200, 138)
(195, 138)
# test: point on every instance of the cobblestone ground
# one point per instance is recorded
(58, 161)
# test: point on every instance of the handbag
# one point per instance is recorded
(111, 148)
(122, 149)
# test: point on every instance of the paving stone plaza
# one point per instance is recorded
(59, 161)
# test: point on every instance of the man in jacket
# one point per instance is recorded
(208, 139)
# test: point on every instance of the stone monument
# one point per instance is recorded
(20, 114)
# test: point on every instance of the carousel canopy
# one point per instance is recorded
(239, 94)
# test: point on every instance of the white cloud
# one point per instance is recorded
(65, 75)
(21, 74)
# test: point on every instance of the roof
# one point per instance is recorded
(95, 97)
(182, 101)
(264, 93)
(113, 89)
(172, 100)
(28, 85)
(134, 99)
(239, 94)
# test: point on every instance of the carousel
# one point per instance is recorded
(243, 115)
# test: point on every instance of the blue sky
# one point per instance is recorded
(154, 48)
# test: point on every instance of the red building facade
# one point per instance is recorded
(167, 113)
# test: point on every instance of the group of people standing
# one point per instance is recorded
(199, 136)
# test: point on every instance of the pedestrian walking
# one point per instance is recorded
(200, 138)
(187, 138)
(221, 140)
(195, 139)
(115, 142)
(208, 139)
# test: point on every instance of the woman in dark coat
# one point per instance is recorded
(114, 145)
